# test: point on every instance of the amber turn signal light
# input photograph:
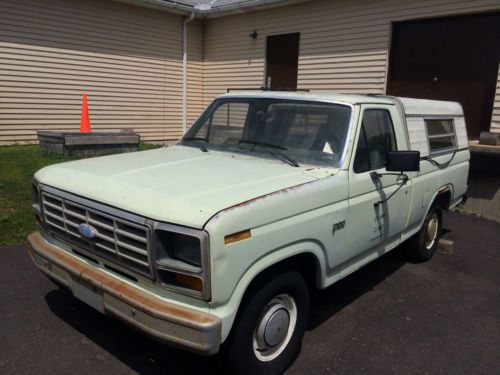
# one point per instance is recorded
(238, 236)
(187, 281)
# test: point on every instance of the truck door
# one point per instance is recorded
(370, 223)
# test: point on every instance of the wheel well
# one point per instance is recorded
(306, 264)
(443, 198)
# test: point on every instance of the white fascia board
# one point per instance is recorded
(247, 6)
(210, 10)
(164, 6)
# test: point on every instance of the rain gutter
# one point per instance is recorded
(210, 9)
(165, 6)
(244, 6)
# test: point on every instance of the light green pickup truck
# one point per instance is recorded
(214, 244)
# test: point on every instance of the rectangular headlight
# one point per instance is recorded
(187, 248)
(35, 195)
(181, 259)
(36, 200)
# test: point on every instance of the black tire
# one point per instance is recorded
(246, 351)
(421, 246)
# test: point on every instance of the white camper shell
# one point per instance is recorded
(435, 127)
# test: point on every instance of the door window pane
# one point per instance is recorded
(362, 162)
(376, 140)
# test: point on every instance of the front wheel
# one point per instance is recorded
(268, 333)
(425, 243)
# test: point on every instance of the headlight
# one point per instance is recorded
(187, 249)
(181, 259)
(37, 202)
(35, 195)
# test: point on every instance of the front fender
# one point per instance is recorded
(228, 311)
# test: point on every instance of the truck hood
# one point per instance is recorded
(179, 184)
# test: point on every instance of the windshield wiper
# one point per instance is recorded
(257, 143)
(200, 146)
(280, 156)
(285, 158)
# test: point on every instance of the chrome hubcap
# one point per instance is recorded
(432, 231)
(275, 327)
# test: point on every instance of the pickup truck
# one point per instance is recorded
(214, 244)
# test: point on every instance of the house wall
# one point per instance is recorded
(344, 44)
(128, 59)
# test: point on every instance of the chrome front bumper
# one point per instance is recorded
(173, 324)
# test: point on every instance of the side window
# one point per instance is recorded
(441, 134)
(376, 138)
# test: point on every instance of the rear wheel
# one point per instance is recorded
(268, 333)
(424, 244)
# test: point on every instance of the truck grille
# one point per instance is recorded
(118, 240)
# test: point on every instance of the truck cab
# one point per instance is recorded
(214, 244)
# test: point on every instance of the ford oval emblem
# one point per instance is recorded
(87, 231)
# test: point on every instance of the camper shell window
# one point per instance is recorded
(441, 135)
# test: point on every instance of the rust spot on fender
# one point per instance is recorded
(257, 199)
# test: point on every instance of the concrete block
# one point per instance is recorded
(488, 138)
(445, 247)
(88, 144)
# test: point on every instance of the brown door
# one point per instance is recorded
(452, 58)
(282, 61)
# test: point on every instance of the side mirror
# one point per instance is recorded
(403, 161)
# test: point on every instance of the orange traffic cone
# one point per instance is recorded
(85, 122)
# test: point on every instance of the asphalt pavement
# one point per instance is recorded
(391, 317)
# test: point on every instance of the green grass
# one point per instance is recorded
(17, 166)
(147, 146)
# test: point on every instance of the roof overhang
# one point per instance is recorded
(209, 9)
(164, 6)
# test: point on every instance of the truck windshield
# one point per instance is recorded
(293, 130)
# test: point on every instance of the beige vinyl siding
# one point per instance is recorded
(495, 118)
(344, 44)
(127, 59)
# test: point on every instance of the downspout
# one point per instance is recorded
(184, 71)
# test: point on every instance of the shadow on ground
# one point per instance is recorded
(326, 303)
(136, 350)
(147, 356)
